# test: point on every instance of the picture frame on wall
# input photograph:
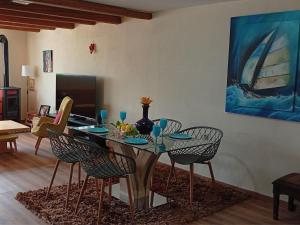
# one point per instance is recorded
(48, 61)
(264, 67)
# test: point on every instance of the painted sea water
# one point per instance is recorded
(235, 96)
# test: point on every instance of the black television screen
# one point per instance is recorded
(82, 89)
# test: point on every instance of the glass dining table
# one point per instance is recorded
(145, 156)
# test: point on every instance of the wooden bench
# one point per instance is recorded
(11, 139)
(287, 185)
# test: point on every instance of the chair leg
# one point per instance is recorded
(152, 193)
(174, 173)
(37, 145)
(97, 187)
(81, 193)
(70, 184)
(211, 171)
(79, 174)
(11, 147)
(170, 174)
(101, 201)
(53, 176)
(191, 182)
(130, 200)
(15, 144)
(109, 190)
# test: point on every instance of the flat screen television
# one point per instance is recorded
(82, 89)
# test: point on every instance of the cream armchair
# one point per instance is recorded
(58, 124)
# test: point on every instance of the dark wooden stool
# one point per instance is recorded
(286, 185)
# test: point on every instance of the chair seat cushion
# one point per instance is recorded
(35, 129)
(58, 117)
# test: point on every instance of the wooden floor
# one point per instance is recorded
(24, 171)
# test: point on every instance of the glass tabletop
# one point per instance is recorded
(169, 144)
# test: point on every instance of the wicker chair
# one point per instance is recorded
(65, 149)
(173, 126)
(104, 165)
(198, 154)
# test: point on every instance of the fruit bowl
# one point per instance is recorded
(127, 129)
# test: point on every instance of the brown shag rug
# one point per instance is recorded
(209, 198)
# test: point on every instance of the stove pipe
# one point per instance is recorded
(4, 41)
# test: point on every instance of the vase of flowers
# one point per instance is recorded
(145, 125)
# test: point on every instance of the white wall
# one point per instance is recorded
(179, 59)
(18, 55)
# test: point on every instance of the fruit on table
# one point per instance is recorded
(127, 129)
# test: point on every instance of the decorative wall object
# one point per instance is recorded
(263, 75)
(48, 61)
(92, 48)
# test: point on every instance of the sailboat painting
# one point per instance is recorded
(263, 66)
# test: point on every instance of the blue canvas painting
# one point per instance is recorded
(263, 72)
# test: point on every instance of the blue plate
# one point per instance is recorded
(98, 130)
(136, 141)
(180, 136)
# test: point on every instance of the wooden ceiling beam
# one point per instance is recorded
(37, 22)
(26, 25)
(19, 28)
(95, 7)
(9, 12)
(61, 12)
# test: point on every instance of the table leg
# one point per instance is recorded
(291, 205)
(276, 198)
(140, 181)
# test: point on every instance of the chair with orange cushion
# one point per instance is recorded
(57, 124)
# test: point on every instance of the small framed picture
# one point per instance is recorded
(44, 110)
(48, 61)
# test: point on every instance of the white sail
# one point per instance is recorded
(275, 71)
(249, 68)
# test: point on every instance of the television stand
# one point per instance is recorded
(77, 121)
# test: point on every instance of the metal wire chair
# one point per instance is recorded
(173, 126)
(199, 154)
(103, 164)
(65, 149)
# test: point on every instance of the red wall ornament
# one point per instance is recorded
(92, 48)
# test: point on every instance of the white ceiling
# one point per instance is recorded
(157, 5)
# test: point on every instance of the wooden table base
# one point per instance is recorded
(140, 181)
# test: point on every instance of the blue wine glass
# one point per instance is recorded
(103, 114)
(122, 116)
(156, 132)
(163, 124)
